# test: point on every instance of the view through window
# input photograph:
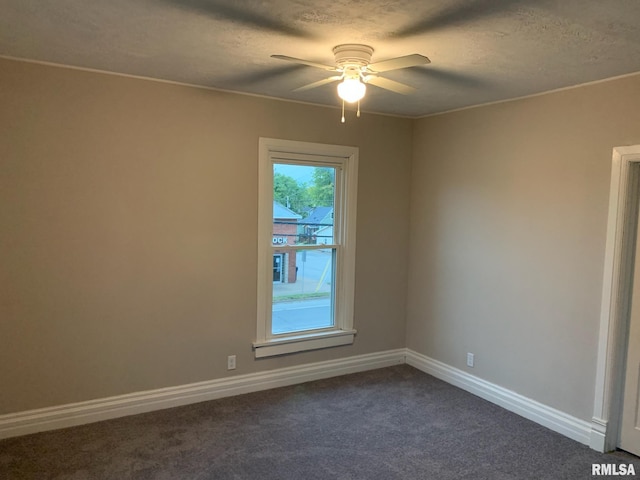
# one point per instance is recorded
(304, 248)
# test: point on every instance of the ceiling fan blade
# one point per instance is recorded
(319, 83)
(227, 10)
(458, 13)
(305, 62)
(399, 62)
(390, 85)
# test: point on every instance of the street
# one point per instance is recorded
(314, 277)
(302, 315)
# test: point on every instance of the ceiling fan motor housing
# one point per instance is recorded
(352, 55)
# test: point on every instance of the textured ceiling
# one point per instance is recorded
(481, 50)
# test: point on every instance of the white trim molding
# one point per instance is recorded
(597, 440)
(616, 296)
(539, 413)
(299, 343)
(63, 416)
(32, 421)
(343, 160)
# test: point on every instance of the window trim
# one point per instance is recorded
(342, 333)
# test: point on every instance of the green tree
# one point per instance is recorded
(322, 191)
(288, 192)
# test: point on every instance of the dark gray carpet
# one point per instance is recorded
(392, 423)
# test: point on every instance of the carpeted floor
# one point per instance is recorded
(392, 423)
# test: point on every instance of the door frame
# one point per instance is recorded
(282, 276)
(616, 297)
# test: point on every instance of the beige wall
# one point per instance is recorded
(508, 218)
(128, 216)
(128, 234)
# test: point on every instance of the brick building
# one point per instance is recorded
(284, 233)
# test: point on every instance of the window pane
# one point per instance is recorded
(303, 203)
(303, 290)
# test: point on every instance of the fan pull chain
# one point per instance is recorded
(358, 114)
(342, 111)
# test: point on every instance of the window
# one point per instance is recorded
(306, 246)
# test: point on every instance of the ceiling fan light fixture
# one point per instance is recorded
(354, 68)
(351, 90)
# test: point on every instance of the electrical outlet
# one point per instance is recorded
(231, 362)
(470, 359)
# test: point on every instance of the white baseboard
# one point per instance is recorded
(51, 418)
(551, 418)
(32, 421)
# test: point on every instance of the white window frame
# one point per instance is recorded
(345, 160)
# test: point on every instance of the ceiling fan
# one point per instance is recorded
(354, 70)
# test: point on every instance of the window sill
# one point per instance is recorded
(301, 343)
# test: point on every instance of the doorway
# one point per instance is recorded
(616, 307)
(278, 262)
(630, 391)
